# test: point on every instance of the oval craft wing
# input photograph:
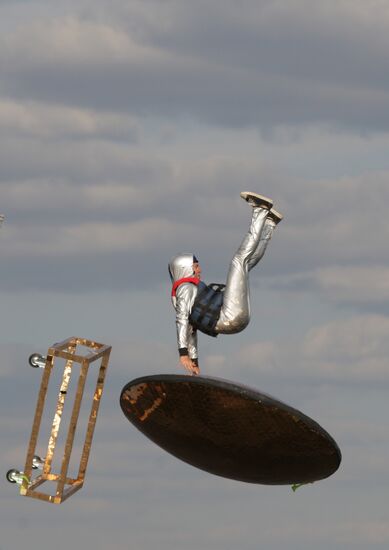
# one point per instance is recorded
(230, 430)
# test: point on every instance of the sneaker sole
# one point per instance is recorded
(275, 215)
(260, 200)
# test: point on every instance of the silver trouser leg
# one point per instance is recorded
(266, 235)
(235, 312)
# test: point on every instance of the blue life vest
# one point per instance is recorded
(206, 308)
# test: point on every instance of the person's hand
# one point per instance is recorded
(189, 365)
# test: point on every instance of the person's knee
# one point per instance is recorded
(242, 321)
(233, 325)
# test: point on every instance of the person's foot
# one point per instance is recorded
(257, 200)
(275, 216)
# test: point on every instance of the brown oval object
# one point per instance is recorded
(230, 430)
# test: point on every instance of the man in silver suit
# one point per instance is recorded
(219, 309)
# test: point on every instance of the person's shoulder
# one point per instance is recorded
(186, 289)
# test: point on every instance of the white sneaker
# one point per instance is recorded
(256, 200)
(275, 216)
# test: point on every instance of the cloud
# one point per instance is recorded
(70, 41)
(72, 161)
(331, 232)
(358, 286)
(80, 168)
(13, 356)
(273, 36)
(371, 532)
(361, 337)
(368, 532)
(33, 119)
(100, 200)
(361, 285)
(88, 239)
(351, 351)
(276, 64)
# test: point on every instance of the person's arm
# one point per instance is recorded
(193, 352)
(186, 335)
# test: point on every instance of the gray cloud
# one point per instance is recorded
(269, 65)
(117, 211)
(357, 285)
(95, 161)
(348, 351)
(57, 122)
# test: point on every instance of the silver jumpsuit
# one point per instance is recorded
(235, 311)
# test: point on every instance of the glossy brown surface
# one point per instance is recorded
(230, 430)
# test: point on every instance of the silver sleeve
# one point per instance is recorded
(186, 335)
(192, 345)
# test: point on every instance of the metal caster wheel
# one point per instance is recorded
(37, 463)
(13, 476)
(37, 361)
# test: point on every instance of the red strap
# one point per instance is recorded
(193, 280)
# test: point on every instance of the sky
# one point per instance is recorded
(127, 131)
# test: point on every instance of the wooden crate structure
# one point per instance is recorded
(86, 353)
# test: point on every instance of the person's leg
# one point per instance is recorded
(272, 220)
(266, 235)
(235, 311)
